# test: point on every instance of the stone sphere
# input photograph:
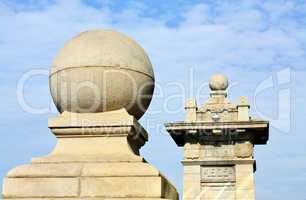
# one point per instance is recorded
(218, 82)
(102, 70)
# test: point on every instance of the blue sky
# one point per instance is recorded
(260, 45)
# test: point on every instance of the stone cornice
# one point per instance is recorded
(254, 130)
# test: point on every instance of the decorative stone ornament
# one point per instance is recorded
(102, 70)
(218, 82)
(97, 151)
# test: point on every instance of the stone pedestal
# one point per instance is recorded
(218, 140)
(96, 157)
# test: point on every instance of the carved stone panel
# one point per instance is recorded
(215, 174)
(223, 151)
(218, 182)
(191, 151)
(244, 150)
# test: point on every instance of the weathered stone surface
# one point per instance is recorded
(122, 169)
(122, 187)
(99, 169)
(104, 180)
(102, 70)
(41, 187)
(46, 170)
(244, 150)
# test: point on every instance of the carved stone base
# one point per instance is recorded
(87, 180)
(91, 161)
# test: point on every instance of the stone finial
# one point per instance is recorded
(243, 109)
(218, 82)
(99, 71)
(191, 110)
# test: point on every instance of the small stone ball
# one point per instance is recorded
(102, 70)
(218, 82)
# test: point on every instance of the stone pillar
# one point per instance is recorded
(218, 146)
(98, 135)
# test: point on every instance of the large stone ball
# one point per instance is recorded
(218, 82)
(102, 70)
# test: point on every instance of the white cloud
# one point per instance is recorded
(221, 34)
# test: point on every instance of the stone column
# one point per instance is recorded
(98, 83)
(218, 140)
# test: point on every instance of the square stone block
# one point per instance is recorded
(122, 187)
(41, 187)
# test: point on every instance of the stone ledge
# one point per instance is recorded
(87, 180)
(88, 159)
(218, 162)
(49, 170)
(89, 187)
